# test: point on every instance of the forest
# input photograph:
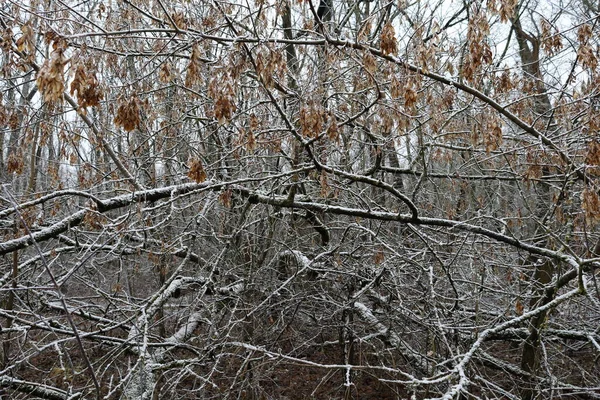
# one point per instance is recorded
(299, 199)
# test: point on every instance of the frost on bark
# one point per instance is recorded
(299, 199)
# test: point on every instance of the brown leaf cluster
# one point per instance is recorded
(384, 120)
(101, 9)
(492, 136)
(250, 141)
(389, 44)
(551, 41)
(237, 62)
(93, 220)
(406, 88)
(507, 9)
(26, 41)
(14, 120)
(379, 256)
(128, 114)
(584, 32)
(225, 197)
(369, 62)
(410, 97)
(270, 65)
(593, 120)
(364, 31)
(593, 153)
(196, 172)
(505, 82)
(448, 97)
(519, 307)
(312, 118)
(409, 92)
(87, 87)
(590, 203)
(165, 74)
(52, 37)
(6, 39)
(15, 162)
(479, 49)
(396, 87)
(221, 90)
(248, 137)
(254, 122)
(427, 57)
(333, 130)
(587, 57)
(50, 78)
(585, 53)
(181, 22)
(193, 72)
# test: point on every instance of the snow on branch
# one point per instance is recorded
(37, 389)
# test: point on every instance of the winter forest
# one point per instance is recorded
(296, 199)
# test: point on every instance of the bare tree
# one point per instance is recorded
(284, 199)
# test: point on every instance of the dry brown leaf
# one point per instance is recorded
(389, 44)
(128, 114)
(196, 172)
(50, 78)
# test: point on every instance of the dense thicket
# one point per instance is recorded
(284, 199)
